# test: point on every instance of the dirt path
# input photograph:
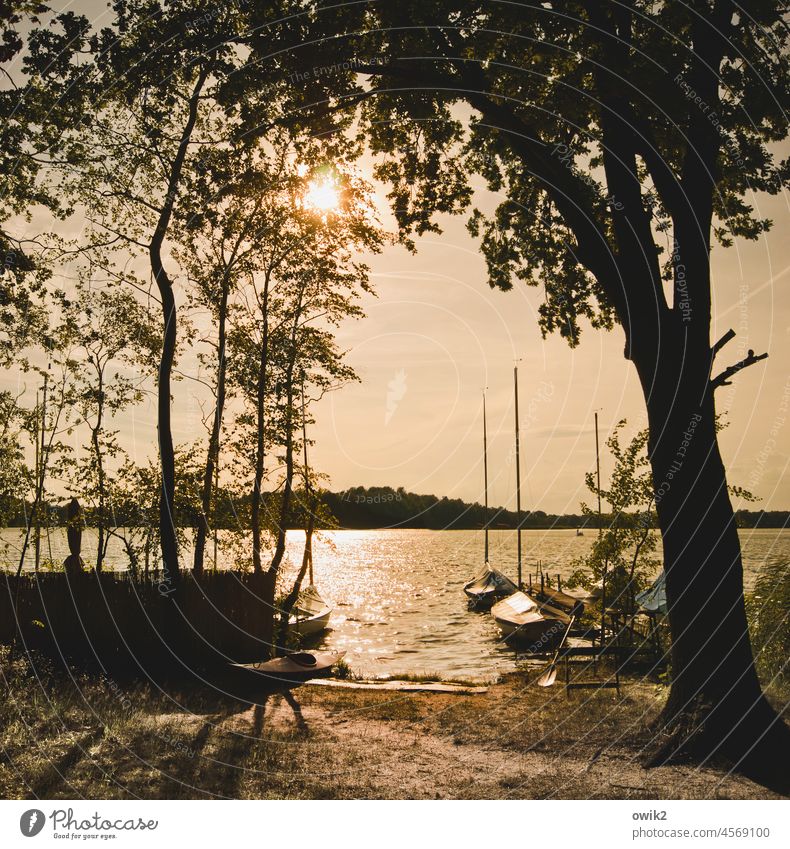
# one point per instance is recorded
(515, 741)
(408, 760)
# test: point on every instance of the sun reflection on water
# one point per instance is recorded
(397, 595)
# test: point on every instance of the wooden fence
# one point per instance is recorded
(113, 620)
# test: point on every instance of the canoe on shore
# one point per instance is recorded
(299, 666)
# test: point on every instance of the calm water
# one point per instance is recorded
(397, 594)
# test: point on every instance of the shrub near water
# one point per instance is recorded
(768, 608)
(625, 549)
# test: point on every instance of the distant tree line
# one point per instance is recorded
(377, 507)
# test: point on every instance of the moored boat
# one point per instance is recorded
(521, 618)
(311, 614)
(566, 600)
(490, 585)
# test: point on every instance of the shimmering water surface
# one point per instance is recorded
(397, 594)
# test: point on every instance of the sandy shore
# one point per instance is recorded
(96, 737)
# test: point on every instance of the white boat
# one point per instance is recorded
(484, 589)
(297, 666)
(310, 615)
(521, 618)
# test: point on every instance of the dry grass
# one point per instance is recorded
(88, 736)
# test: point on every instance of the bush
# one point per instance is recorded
(768, 609)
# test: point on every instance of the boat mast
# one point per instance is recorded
(485, 474)
(518, 480)
(600, 530)
(306, 480)
(598, 473)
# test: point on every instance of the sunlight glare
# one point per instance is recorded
(323, 195)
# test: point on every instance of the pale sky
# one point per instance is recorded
(436, 321)
(436, 335)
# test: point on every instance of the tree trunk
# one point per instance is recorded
(716, 707)
(99, 471)
(167, 522)
(260, 446)
(212, 460)
(292, 597)
(285, 506)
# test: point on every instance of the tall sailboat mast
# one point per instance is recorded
(598, 473)
(518, 480)
(308, 542)
(485, 475)
(600, 531)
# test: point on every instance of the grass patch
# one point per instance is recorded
(430, 678)
(66, 735)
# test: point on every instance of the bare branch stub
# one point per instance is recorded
(728, 336)
(750, 359)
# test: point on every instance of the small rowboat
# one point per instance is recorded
(483, 590)
(311, 614)
(568, 601)
(520, 618)
(299, 666)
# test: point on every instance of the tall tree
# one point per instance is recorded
(29, 138)
(240, 221)
(14, 472)
(307, 278)
(113, 352)
(160, 84)
(222, 227)
(622, 138)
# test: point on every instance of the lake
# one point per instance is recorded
(397, 594)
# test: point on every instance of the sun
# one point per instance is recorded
(323, 195)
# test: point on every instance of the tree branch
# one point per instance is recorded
(723, 379)
(730, 334)
(567, 191)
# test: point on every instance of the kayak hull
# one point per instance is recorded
(289, 668)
